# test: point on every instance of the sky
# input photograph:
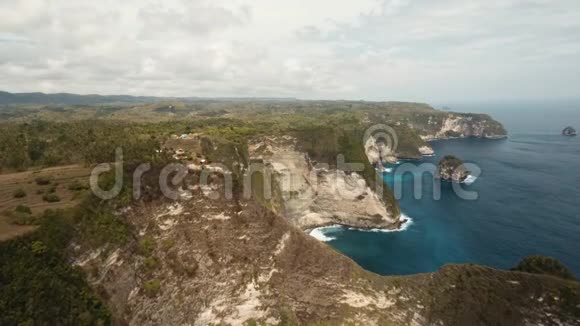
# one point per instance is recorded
(422, 50)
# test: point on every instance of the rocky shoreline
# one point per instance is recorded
(398, 225)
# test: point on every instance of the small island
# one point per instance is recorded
(569, 131)
(451, 169)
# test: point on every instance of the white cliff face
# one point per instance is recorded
(426, 150)
(379, 152)
(461, 126)
(318, 196)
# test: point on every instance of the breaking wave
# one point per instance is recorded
(319, 233)
(469, 180)
(322, 233)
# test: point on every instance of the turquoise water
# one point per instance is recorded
(528, 205)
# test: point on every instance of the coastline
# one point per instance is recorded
(403, 221)
(319, 234)
(398, 225)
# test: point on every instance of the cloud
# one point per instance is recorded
(369, 49)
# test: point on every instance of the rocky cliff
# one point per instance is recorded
(460, 125)
(201, 261)
(318, 194)
(414, 127)
(452, 169)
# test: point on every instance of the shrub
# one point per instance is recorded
(20, 218)
(52, 189)
(38, 247)
(20, 193)
(150, 263)
(22, 215)
(152, 287)
(51, 198)
(23, 209)
(544, 265)
(146, 246)
(251, 322)
(42, 181)
(77, 186)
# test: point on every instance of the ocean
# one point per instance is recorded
(528, 201)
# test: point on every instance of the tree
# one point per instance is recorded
(544, 265)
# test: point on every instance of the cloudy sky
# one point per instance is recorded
(423, 50)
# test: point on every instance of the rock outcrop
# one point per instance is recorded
(569, 131)
(452, 169)
(316, 195)
(426, 150)
(378, 152)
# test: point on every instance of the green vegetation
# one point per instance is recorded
(152, 287)
(150, 263)
(146, 246)
(544, 265)
(19, 193)
(98, 225)
(22, 215)
(51, 198)
(39, 275)
(41, 143)
(77, 186)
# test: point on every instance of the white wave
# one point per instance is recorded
(318, 233)
(469, 180)
(387, 170)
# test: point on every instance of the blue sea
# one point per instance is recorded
(528, 201)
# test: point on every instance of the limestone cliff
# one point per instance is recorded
(452, 169)
(460, 125)
(209, 260)
(201, 261)
(320, 194)
(378, 152)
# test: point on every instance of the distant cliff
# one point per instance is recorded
(462, 125)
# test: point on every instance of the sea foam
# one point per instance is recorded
(404, 227)
(318, 233)
(469, 180)
(321, 232)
